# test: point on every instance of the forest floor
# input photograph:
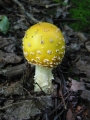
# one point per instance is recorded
(70, 99)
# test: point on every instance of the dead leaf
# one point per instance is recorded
(44, 101)
(27, 109)
(58, 12)
(68, 32)
(87, 85)
(9, 57)
(24, 110)
(85, 94)
(84, 67)
(14, 88)
(8, 44)
(78, 109)
(75, 46)
(20, 24)
(77, 85)
(87, 45)
(81, 36)
(87, 112)
(69, 115)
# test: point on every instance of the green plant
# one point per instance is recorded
(80, 11)
(4, 24)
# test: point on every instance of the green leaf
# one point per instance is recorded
(4, 24)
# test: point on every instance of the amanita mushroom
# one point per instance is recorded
(43, 46)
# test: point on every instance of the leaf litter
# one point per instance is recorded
(70, 99)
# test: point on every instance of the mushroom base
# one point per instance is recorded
(43, 77)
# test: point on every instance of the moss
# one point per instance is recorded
(80, 10)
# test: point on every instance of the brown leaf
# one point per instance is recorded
(20, 24)
(9, 57)
(69, 115)
(77, 85)
(28, 109)
(85, 94)
(14, 88)
(87, 112)
(7, 44)
(84, 67)
(81, 36)
(78, 109)
(87, 45)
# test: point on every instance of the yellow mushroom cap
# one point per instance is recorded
(44, 44)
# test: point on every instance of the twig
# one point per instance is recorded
(52, 5)
(59, 104)
(25, 90)
(40, 88)
(64, 89)
(63, 99)
(26, 13)
(31, 17)
(63, 83)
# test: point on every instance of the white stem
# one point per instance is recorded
(43, 77)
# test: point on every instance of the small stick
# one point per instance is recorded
(63, 100)
(52, 5)
(40, 87)
(59, 104)
(25, 90)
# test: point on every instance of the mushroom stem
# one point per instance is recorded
(43, 77)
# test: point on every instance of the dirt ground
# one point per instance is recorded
(70, 98)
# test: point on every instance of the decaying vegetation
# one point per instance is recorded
(70, 99)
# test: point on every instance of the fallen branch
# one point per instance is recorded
(59, 104)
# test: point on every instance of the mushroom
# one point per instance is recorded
(43, 46)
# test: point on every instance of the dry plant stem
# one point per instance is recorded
(31, 17)
(26, 13)
(52, 5)
(26, 90)
(63, 101)
(59, 104)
